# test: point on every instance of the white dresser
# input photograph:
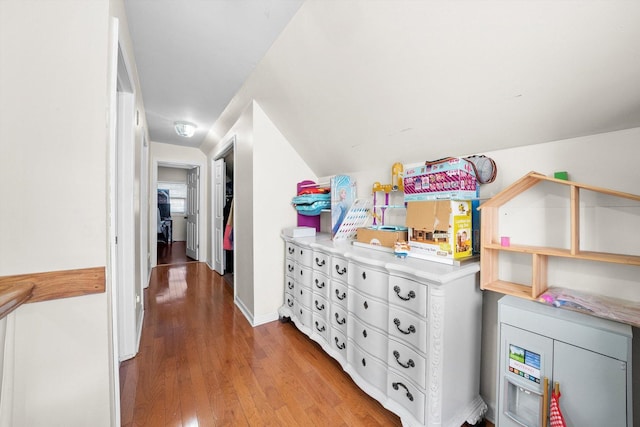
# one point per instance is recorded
(407, 331)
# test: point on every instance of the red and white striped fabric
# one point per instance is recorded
(555, 416)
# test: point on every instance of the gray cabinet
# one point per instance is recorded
(589, 358)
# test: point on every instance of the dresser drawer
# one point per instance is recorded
(319, 306)
(320, 283)
(406, 394)
(303, 275)
(408, 328)
(339, 293)
(289, 284)
(320, 327)
(369, 368)
(289, 300)
(303, 314)
(368, 310)
(369, 339)
(304, 255)
(407, 361)
(408, 294)
(289, 267)
(338, 318)
(303, 295)
(339, 268)
(290, 250)
(368, 280)
(339, 344)
(321, 262)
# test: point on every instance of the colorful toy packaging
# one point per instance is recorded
(343, 194)
(453, 178)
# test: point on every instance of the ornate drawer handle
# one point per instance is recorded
(319, 263)
(341, 322)
(364, 362)
(397, 385)
(366, 305)
(291, 251)
(364, 333)
(342, 346)
(410, 295)
(410, 363)
(321, 307)
(290, 285)
(344, 295)
(411, 330)
(290, 303)
(320, 329)
(341, 272)
(319, 285)
(364, 275)
(290, 268)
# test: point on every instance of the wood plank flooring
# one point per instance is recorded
(201, 364)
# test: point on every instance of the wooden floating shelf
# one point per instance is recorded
(566, 253)
(490, 250)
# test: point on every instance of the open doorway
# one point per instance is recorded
(224, 212)
(177, 209)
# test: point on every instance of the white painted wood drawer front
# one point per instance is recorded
(338, 318)
(369, 339)
(320, 326)
(290, 250)
(320, 283)
(371, 311)
(320, 307)
(339, 268)
(290, 267)
(288, 300)
(339, 293)
(408, 294)
(369, 368)
(406, 394)
(408, 328)
(304, 295)
(408, 362)
(290, 285)
(303, 314)
(321, 262)
(303, 275)
(304, 256)
(368, 280)
(339, 344)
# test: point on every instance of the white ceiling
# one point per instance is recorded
(193, 55)
(359, 84)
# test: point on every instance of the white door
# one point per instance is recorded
(193, 211)
(219, 178)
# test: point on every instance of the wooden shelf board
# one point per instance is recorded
(509, 288)
(566, 253)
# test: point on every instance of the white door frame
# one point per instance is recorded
(228, 147)
(153, 201)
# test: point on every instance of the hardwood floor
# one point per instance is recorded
(174, 253)
(202, 364)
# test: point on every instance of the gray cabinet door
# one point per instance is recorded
(592, 386)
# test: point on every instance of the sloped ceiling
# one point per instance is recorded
(357, 85)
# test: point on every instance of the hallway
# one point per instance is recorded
(202, 364)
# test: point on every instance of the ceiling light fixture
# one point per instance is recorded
(185, 129)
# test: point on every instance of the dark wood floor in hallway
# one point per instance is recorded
(201, 364)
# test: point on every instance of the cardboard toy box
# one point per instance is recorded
(451, 179)
(440, 229)
(381, 236)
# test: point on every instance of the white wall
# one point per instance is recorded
(606, 160)
(168, 155)
(53, 167)
(277, 168)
